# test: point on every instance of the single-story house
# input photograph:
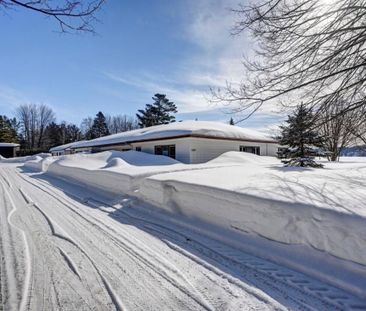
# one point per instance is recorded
(9, 150)
(64, 149)
(187, 141)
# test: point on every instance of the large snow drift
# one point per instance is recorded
(321, 208)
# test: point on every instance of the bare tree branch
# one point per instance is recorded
(71, 16)
(309, 51)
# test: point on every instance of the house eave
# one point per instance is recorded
(178, 137)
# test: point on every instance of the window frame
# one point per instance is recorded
(166, 150)
(256, 149)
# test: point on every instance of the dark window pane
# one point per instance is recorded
(166, 150)
(250, 149)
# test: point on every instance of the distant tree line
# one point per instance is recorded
(36, 130)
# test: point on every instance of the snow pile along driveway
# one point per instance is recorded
(320, 208)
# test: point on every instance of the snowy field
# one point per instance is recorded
(133, 231)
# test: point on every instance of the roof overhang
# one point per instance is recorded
(179, 137)
(12, 145)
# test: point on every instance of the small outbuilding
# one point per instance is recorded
(65, 149)
(187, 141)
(9, 150)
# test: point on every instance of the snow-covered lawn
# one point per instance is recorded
(152, 212)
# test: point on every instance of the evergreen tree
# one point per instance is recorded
(53, 135)
(231, 122)
(60, 134)
(160, 112)
(8, 130)
(99, 127)
(300, 138)
(73, 133)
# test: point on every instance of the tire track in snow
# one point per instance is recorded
(315, 290)
(55, 228)
(167, 275)
(257, 293)
(264, 297)
(10, 290)
(28, 267)
(155, 267)
(70, 262)
(269, 272)
(4, 179)
(333, 299)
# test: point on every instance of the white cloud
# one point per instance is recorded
(187, 98)
(216, 60)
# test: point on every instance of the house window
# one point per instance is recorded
(250, 149)
(166, 150)
(138, 149)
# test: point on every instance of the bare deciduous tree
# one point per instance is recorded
(121, 123)
(33, 121)
(86, 125)
(312, 50)
(359, 131)
(338, 128)
(24, 122)
(71, 15)
(45, 117)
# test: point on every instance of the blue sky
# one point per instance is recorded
(179, 48)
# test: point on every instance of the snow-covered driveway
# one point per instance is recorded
(63, 247)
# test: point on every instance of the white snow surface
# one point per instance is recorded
(206, 128)
(135, 231)
(322, 208)
(25, 158)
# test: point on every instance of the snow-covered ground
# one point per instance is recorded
(133, 231)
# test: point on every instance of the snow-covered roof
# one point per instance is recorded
(206, 129)
(9, 145)
(66, 146)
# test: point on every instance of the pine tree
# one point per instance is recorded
(231, 122)
(99, 127)
(8, 130)
(300, 138)
(53, 135)
(160, 112)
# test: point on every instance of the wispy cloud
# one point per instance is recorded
(187, 97)
(10, 98)
(216, 59)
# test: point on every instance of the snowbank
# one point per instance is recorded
(342, 235)
(113, 172)
(103, 159)
(321, 208)
(26, 158)
(39, 163)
